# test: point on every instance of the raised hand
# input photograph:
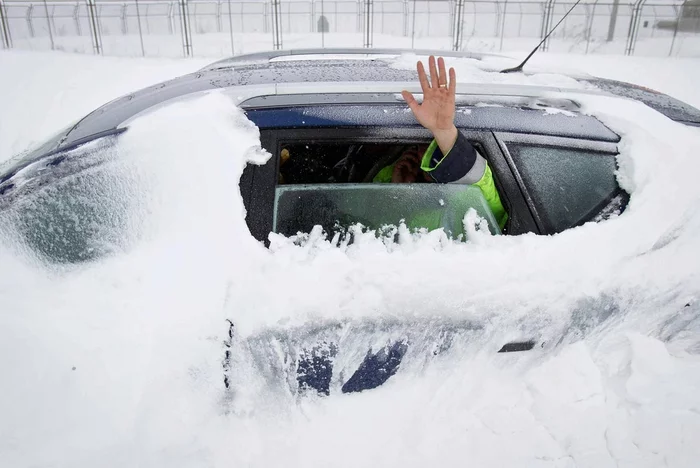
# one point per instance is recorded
(437, 112)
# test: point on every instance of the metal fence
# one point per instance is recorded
(225, 27)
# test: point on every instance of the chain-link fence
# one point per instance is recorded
(223, 27)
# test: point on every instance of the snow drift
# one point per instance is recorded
(119, 362)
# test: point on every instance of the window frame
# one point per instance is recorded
(595, 146)
(258, 182)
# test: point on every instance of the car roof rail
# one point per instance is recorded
(270, 55)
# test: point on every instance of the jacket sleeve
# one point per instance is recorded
(464, 165)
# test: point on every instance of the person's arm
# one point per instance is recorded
(464, 165)
(450, 157)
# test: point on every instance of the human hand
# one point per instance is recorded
(406, 169)
(437, 112)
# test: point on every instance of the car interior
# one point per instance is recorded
(320, 163)
(334, 185)
(539, 179)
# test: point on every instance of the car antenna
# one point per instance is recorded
(520, 67)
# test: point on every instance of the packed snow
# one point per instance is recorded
(119, 362)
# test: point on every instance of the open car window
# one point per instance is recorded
(337, 185)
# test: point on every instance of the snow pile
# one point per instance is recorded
(113, 359)
(486, 70)
(119, 362)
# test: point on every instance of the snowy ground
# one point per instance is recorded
(119, 363)
(216, 44)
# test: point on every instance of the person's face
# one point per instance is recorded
(407, 168)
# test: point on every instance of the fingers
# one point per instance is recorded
(434, 79)
(422, 77)
(410, 100)
(442, 74)
(438, 76)
(453, 82)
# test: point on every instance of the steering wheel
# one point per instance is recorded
(382, 162)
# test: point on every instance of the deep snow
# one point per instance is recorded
(118, 363)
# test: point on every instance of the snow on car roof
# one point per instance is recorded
(265, 78)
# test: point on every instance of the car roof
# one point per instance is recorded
(258, 75)
(335, 53)
(344, 73)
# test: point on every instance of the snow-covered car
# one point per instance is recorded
(331, 121)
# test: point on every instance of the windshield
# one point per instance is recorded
(69, 207)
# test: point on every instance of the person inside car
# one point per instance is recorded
(450, 158)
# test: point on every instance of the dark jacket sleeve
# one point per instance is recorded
(464, 165)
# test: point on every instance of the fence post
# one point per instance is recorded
(451, 17)
(218, 16)
(590, 26)
(94, 22)
(457, 25)
(185, 25)
(405, 18)
(171, 18)
(48, 25)
(613, 20)
(5, 27)
(138, 18)
(30, 25)
(497, 23)
(125, 26)
(53, 19)
(679, 16)
(276, 24)
(323, 29)
(547, 23)
(413, 28)
(266, 23)
(503, 24)
(634, 27)
(368, 8)
(230, 26)
(76, 19)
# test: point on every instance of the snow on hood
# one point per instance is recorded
(118, 363)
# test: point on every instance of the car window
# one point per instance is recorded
(567, 186)
(336, 185)
(335, 207)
